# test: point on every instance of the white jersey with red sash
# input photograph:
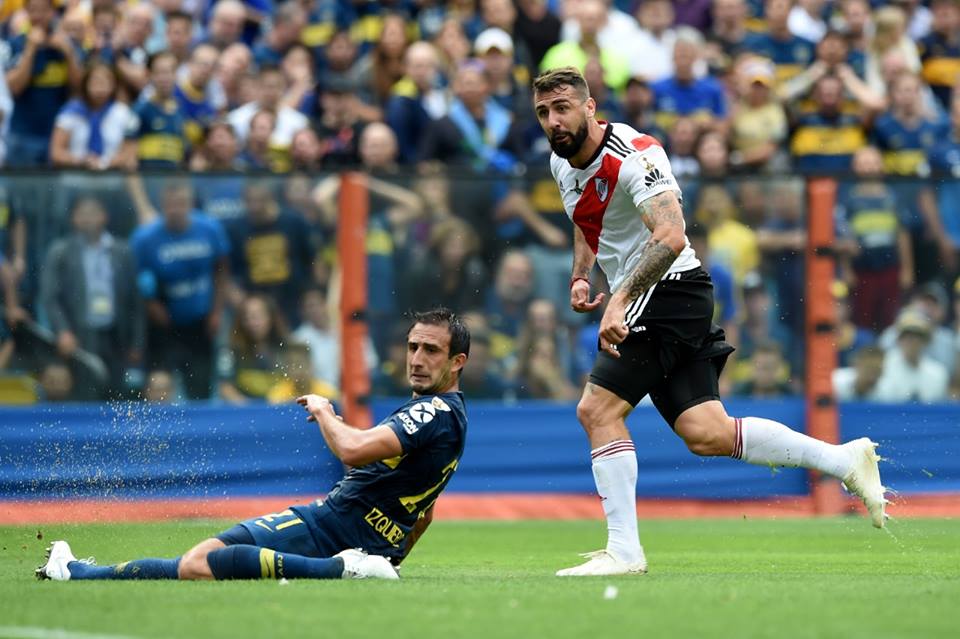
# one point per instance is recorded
(603, 199)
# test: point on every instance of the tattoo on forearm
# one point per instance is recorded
(655, 257)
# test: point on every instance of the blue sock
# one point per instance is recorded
(252, 562)
(139, 569)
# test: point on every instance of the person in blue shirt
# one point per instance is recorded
(406, 110)
(156, 135)
(684, 94)
(42, 70)
(940, 50)
(789, 53)
(182, 267)
(383, 504)
(825, 140)
(945, 165)
(192, 93)
(904, 134)
(288, 21)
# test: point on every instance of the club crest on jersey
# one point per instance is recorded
(602, 188)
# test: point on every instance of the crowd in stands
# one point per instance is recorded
(169, 193)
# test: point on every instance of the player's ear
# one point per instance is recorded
(591, 105)
(459, 361)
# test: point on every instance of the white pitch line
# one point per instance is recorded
(33, 632)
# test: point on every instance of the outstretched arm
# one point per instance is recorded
(353, 446)
(664, 217)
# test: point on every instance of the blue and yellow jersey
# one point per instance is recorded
(941, 64)
(790, 56)
(823, 144)
(49, 88)
(160, 132)
(382, 501)
(905, 148)
(702, 99)
(196, 110)
(870, 212)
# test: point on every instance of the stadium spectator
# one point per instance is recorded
(40, 73)
(323, 342)
(454, 47)
(287, 22)
(767, 373)
(225, 27)
(270, 250)
(917, 16)
(651, 48)
(908, 373)
(105, 22)
(945, 163)
(637, 104)
(861, 380)
(450, 273)
(156, 133)
(616, 26)
(297, 379)
(940, 50)
(272, 86)
(760, 324)
(482, 379)
(383, 65)
(540, 375)
(177, 36)
(789, 53)
(299, 67)
(258, 153)
(932, 302)
(726, 307)
(849, 337)
(712, 156)
(219, 153)
(506, 303)
(732, 243)
(182, 261)
(415, 100)
(854, 22)
(882, 266)
(129, 48)
(476, 130)
(6, 110)
(89, 130)
(889, 36)
(250, 366)
(56, 383)
(825, 140)
(339, 126)
(306, 151)
(340, 64)
(538, 28)
(88, 293)
(542, 320)
(233, 72)
(509, 83)
(608, 106)
(193, 93)
(759, 125)
(728, 33)
(682, 147)
(13, 312)
(159, 388)
(591, 16)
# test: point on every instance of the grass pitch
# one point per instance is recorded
(709, 578)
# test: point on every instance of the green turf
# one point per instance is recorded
(732, 578)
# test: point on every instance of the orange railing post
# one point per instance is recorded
(822, 417)
(352, 255)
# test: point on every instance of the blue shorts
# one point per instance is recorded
(290, 532)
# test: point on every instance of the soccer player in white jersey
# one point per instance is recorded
(656, 335)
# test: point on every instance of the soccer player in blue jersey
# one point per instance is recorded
(383, 504)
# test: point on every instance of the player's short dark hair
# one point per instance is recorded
(441, 316)
(554, 79)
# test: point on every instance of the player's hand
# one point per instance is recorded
(613, 328)
(316, 405)
(580, 297)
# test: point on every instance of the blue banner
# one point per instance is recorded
(144, 451)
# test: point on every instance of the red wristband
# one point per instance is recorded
(574, 279)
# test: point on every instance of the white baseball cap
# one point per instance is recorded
(493, 38)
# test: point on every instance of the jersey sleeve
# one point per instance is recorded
(420, 424)
(646, 174)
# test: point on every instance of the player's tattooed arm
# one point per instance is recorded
(664, 217)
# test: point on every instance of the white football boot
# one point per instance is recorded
(601, 563)
(863, 478)
(359, 565)
(58, 556)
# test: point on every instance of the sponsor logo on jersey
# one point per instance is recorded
(439, 404)
(577, 188)
(423, 412)
(408, 424)
(602, 186)
(654, 177)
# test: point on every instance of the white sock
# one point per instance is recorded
(615, 473)
(766, 442)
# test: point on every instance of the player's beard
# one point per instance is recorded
(571, 144)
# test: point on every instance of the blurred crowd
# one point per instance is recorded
(169, 204)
